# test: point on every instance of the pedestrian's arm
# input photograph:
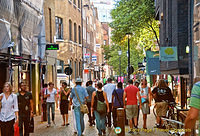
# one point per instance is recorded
(191, 119)
(150, 96)
(105, 97)
(31, 103)
(124, 97)
(92, 102)
(66, 93)
(138, 94)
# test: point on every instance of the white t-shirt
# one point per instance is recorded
(52, 95)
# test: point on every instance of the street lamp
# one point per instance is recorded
(128, 34)
(120, 53)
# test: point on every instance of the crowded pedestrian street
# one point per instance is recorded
(58, 130)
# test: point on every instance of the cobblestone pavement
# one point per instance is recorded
(58, 130)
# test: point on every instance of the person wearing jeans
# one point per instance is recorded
(83, 95)
(50, 94)
(109, 88)
(100, 117)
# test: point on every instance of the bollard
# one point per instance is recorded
(120, 122)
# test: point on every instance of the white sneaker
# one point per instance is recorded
(48, 125)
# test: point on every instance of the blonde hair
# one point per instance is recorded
(162, 84)
(10, 86)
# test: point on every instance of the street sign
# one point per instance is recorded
(52, 47)
(86, 55)
(68, 70)
(94, 57)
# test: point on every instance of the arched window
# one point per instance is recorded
(79, 4)
(79, 34)
(70, 30)
(75, 33)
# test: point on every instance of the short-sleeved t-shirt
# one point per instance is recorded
(82, 93)
(24, 103)
(195, 98)
(90, 90)
(52, 95)
(120, 93)
(131, 94)
(163, 94)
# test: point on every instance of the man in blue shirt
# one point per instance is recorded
(83, 95)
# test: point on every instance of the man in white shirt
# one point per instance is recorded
(109, 88)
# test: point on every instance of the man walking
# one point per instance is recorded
(82, 94)
(109, 88)
(131, 92)
(90, 90)
(25, 104)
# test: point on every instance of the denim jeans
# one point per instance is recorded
(52, 106)
(100, 122)
(79, 116)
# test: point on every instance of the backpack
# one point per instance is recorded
(101, 106)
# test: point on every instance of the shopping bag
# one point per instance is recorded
(16, 129)
(31, 126)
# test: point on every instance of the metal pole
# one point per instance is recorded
(128, 58)
(120, 68)
(190, 45)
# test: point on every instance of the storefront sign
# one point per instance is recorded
(94, 57)
(86, 55)
(168, 54)
(52, 47)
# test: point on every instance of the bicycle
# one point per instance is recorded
(171, 117)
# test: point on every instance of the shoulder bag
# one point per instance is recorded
(83, 107)
(101, 106)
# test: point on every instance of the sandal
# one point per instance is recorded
(63, 125)
(67, 124)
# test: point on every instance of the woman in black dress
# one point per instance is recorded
(64, 103)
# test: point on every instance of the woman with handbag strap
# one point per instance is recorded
(145, 93)
(99, 97)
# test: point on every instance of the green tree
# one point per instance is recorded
(134, 16)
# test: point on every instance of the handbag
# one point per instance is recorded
(83, 107)
(16, 129)
(101, 106)
(31, 125)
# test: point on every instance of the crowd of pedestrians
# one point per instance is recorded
(100, 102)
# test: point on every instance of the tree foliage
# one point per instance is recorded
(134, 16)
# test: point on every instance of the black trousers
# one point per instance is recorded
(114, 114)
(24, 123)
(108, 116)
(7, 128)
(44, 110)
(91, 118)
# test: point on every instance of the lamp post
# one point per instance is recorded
(128, 34)
(120, 53)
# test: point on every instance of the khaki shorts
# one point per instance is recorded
(161, 108)
(131, 111)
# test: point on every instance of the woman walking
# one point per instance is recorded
(8, 111)
(101, 96)
(145, 93)
(64, 103)
(117, 101)
(50, 94)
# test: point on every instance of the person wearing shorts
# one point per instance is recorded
(130, 93)
(162, 95)
(145, 93)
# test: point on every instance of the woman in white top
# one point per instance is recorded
(145, 93)
(50, 94)
(8, 111)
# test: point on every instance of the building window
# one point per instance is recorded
(79, 4)
(59, 28)
(75, 72)
(75, 33)
(74, 2)
(80, 69)
(79, 34)
(60, 66)
(70, 30)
